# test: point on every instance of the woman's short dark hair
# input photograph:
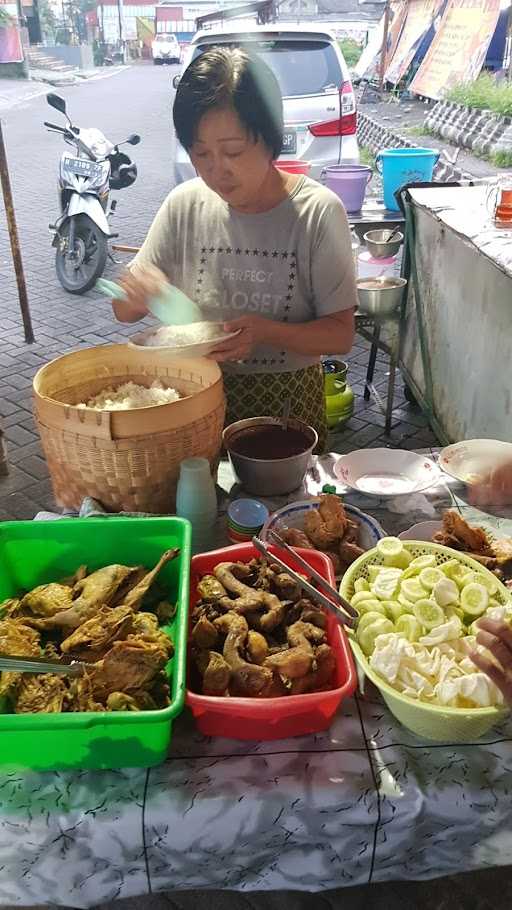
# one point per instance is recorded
(224, 77)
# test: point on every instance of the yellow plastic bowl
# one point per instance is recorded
(456, 725)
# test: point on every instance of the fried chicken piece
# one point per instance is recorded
(313, 614)
(94, 637)
(352, 532)
(349, 552)
(301, 632)
(204, 634)
(10, 608)
(319, 678)
(43, 693)
(227, 573)
(335, 558)
(502, 550)
(286, 587)
(246, 679)
(327, 524)
(215, 672)
(92, 592)
(295, 538)
(129, 665)
(72, 580)
(291, 663)
(120, 701)
(165, 612)
(257, 647)
(210, 588)
(22, 641)
(472, 539)
(145, 626)
(135, 597)
(277, 688)
(81, 698)
(46, 600)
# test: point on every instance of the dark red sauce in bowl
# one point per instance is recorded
(269, 443)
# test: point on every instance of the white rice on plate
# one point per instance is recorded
(176, 336)
(131, 395)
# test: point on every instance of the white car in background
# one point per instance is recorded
(318, 97)
(165, 48)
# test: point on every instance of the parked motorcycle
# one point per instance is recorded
(82, 230)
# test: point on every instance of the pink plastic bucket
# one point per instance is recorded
(293, 167)
(349, 182)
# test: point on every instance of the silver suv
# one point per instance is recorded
(319, 102)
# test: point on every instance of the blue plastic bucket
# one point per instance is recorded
(401, 166)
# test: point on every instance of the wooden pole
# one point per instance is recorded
(387, 15)
(14, 241)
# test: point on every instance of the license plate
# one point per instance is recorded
(289, 144)
(82, 167)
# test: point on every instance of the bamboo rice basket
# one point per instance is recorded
(128, 460)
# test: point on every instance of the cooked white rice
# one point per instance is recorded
(176, 336)
(131, 395)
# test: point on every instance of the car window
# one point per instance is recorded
(301, 67)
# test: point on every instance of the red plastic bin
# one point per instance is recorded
(272, 718)
(293, 167)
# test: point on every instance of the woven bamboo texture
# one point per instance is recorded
(128, 460)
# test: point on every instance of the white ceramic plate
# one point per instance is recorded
(386, 472)
(471, 461)
(424, 530)
(292, 516)
(198, 349)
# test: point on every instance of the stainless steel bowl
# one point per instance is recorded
(378, 244)
(273, 477)
(380, 296)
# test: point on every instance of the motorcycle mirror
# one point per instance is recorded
(133, 139)
(175, 81)
(57, 102)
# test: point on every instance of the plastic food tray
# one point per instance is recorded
(36, 552)
(434, 722)
(273, 718)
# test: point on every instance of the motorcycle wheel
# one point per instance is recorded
(80, 274)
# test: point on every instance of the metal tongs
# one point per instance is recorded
(343, 612)
(41, 665)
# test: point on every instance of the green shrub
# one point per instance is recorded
(483, 94)
(351, 51)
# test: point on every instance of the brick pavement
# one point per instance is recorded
(62, 322)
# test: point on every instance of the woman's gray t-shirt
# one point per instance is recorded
(291, 264)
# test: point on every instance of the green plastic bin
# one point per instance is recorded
(36, 552)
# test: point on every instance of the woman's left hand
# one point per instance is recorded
(252, 330)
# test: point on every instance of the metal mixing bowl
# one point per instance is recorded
(379, 246)
(272, 477)
(380, 296)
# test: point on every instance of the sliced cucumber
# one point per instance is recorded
(413, 590)
(361, 584)
(429, 577)
(409, 627)
(408, 605)
(429, 613)
(488, 581)
(394, 609)
(474, 599)
(423, 562)
(361, 595)
(389, 547)
(446, 592)
(367, 619)
(373, 571)
(366, 637)
(371, 606)
(402, 561)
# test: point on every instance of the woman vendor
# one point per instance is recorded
(264, 252)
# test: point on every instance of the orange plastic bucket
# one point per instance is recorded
(293, 167)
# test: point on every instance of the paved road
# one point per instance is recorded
(138, 100)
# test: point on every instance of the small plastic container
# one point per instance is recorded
(37, 552)
(196, 500)
(273, 718)
(369, 267)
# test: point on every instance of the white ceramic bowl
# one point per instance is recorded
(424, 530)
(148, 338)
(292, 516)
(386, 472)
(472, 460)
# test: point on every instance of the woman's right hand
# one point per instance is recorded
(140, 283)
(495, 489)
(496, 636)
